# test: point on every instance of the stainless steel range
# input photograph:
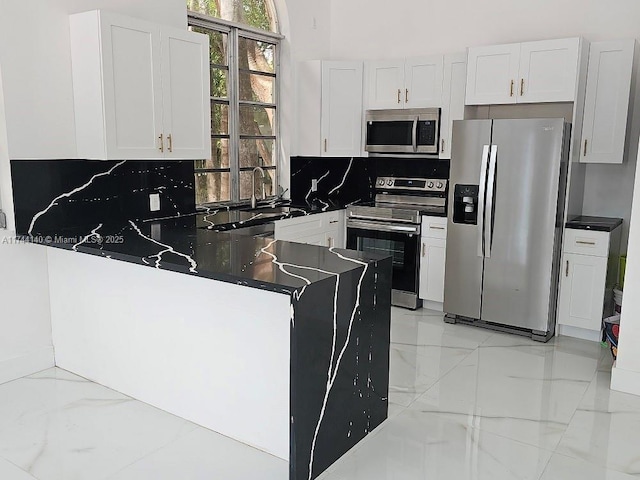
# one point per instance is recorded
(391, 225)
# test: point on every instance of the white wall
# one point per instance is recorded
(626, 373)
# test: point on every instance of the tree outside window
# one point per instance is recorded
(244, 93)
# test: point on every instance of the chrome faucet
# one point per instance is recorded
(254, 201)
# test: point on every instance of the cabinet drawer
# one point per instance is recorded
(586, 242)
(434, 227)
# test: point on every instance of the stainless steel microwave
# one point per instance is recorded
(415, 130)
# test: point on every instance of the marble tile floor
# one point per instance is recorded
(465, 403)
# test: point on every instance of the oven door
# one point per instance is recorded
(401, 242)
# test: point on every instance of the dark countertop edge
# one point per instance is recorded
(596, 224)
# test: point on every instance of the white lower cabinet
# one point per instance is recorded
(325, 229)
(588, 273)
(432, 260)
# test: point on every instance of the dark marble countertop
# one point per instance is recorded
(598, 224)
(184, 244)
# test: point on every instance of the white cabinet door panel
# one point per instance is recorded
(341, 122)
(385, 83)
(423, 82)
(607, 101)
(581, 291)
(453, 96)
(432, 269)
(491, 74)
(132, 87)
(548, 71)
(186, 97)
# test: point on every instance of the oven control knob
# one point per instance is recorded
(381, 182)
(430, 184)
(439, 185)
(389, 182)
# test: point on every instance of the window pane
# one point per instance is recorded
(256, 13)
(246, 184)
(213, 187)
(256, 152)
(256, 87)
(219, 118)
(219, 79)
(218, 45)
(219, 155)
(255, 55)
(256, 120)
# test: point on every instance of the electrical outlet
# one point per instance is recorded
(154, 202)
(314, 185)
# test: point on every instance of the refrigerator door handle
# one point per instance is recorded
(481, 197)
(488, 231)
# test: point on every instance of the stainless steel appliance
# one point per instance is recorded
(391, 225)
(410, 131)
(504, 229)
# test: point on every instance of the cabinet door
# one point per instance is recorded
(491, 74)
(341, 122)
(186, 98)
(606, 105)
(432, 262)
(385, 84)
(423, 82)
(582, 291)
(548, 71)
(453, 88)
(132, 87)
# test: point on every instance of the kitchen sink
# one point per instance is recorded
(261, 230)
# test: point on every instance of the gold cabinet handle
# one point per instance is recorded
(406, 95)
(511, 89)
(436, 227)
(566, 271)
(521, 86)
(170, 139)
(398, 95)
(161, 138)
(329, 242)
(585, 148)
(325, 144)
(423, 249)
(583, 242)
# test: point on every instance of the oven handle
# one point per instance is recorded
(376, 219)
(383, 227)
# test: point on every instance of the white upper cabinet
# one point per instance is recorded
(386, 84)
(607, 98)
(341, 117)
(329, 108)
(408, 83)
(141, 91)
(423, 81)
(491, 73)
(530, 72)
(453, 94)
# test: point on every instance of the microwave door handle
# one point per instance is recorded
(414, 134)
(482, 182)
(490, 200)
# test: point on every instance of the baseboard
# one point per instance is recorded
(627, 381)
(431, 305)
(583, 333)
(18, 367)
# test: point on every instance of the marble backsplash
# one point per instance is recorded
(348, 180)
(52, 195)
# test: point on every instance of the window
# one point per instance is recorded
(244, 98)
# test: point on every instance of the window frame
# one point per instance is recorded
(234, 32)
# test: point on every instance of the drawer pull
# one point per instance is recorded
(333, 221)
(566, 272)
(436, 227)
(423, 248)
(584, 242)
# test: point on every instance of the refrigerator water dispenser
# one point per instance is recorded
(465, 204)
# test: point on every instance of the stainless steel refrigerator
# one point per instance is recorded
(506, 204)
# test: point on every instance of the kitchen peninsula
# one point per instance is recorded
(280, 345)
